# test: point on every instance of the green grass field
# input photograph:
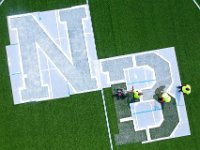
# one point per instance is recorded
(120, 27)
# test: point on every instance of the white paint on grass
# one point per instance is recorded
(148, 134)
(107, 122)
(126, 119)
(195, 2)
(1, 2)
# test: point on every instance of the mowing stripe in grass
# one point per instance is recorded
(107, 122)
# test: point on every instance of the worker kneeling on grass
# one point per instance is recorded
(165, 97)
(136, 94)
(185, 88)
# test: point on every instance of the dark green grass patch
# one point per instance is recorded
(75, 123)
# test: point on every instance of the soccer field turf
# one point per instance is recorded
(120, 27)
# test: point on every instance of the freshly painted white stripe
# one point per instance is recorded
(126, 119)
(1, 2)
(107, 122)
(195, 2)
(148, 135)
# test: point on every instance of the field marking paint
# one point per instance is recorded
(107, 122)
(150, 110)
(1, 2)
(16, 73)
(50, 81)
(56, 13)
(140, 82)
(126, 119)
(154, 119)
(195, 2)
(40, 72)
(148, 134)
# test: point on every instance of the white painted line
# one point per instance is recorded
(195, 2)
(58, 32)
(50, 81)
(88, 51)
(1, 2)
(159, 139)
(136, 126)
(40, 72)
(154, 119)
(69, 56)
(148, 135)
(49, 36)
(107, 122)
(126, 119)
